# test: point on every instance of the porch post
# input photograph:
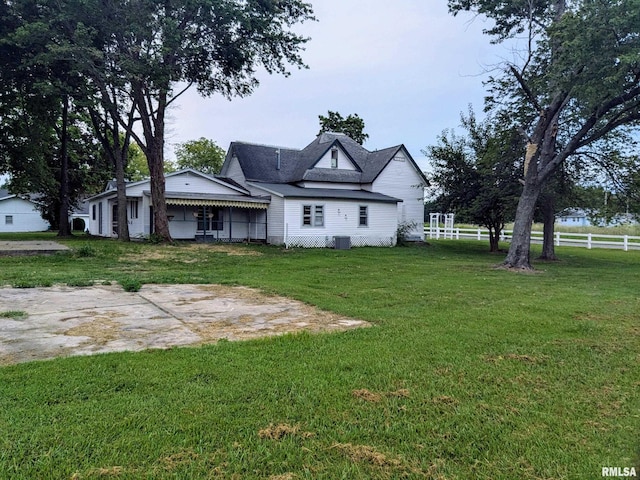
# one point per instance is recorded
(205, 220)
(230, 222)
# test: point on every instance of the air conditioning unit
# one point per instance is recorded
(342, 243)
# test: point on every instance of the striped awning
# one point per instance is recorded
(200, 202)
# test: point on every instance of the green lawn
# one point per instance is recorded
(470, 372)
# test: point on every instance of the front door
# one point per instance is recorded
(114, 220)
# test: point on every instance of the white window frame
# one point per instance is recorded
(318, 216)
(8, 219)
(312, 215)
(366, 216)
(334, 157)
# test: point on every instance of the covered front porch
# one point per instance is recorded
(216, 218)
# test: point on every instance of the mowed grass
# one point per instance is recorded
(469, 372)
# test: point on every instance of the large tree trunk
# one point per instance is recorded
(123, 222)
(549, 216)
(152, 118)
(64, 229)
(155, 159)
(107, 130)
(494, 240)
(520, 249)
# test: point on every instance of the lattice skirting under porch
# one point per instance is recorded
(321, 241)
(212, 239)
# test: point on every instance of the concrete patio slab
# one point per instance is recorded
(62, 321)
(30, 247)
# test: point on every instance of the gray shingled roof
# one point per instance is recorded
(260, 162)
(4, 193)
(292, 191)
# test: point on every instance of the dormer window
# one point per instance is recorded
(334, 157)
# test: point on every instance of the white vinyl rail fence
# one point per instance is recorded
(588, 240)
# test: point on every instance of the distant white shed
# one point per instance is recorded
(19, 214)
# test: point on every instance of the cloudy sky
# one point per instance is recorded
(407, 67)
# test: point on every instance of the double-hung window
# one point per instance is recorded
(363, 217)
(8, 219)
(313, 215)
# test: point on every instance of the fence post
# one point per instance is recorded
(479, 235)
(589, 241)
(557, 239)
(458, 233)
(626, 243)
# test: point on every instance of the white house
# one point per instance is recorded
(19, 214)
(199, 206)
(332, 188)
(573, 217)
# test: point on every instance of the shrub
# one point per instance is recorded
(401, 233)
(131, 285)
(85, 250)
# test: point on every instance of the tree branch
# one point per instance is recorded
(525, 88)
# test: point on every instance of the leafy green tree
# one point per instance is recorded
(137, 58)
(202, 154)
(352, 126)
(137, 167)
(476, 176)
(577, 84)
(165, 48)
(46, 145)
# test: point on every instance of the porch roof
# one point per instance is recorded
(215, 200)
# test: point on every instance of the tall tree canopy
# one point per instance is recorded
(476, 175)
(46, 146)
(352, 126)
(216, 45)
(575, 85)
(202, 154)
(136, 58)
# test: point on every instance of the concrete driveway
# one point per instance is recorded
(61, 321)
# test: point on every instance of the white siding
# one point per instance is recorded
(341, 218)
(186, 182)
(275, 220)
(190, 183)
(234, 171)
(100, 223)
(19, 215)
(343, 161)
(399, 179)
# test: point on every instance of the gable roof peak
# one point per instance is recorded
(257, 144)
(328, 137)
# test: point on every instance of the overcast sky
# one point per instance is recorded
(407, 67)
